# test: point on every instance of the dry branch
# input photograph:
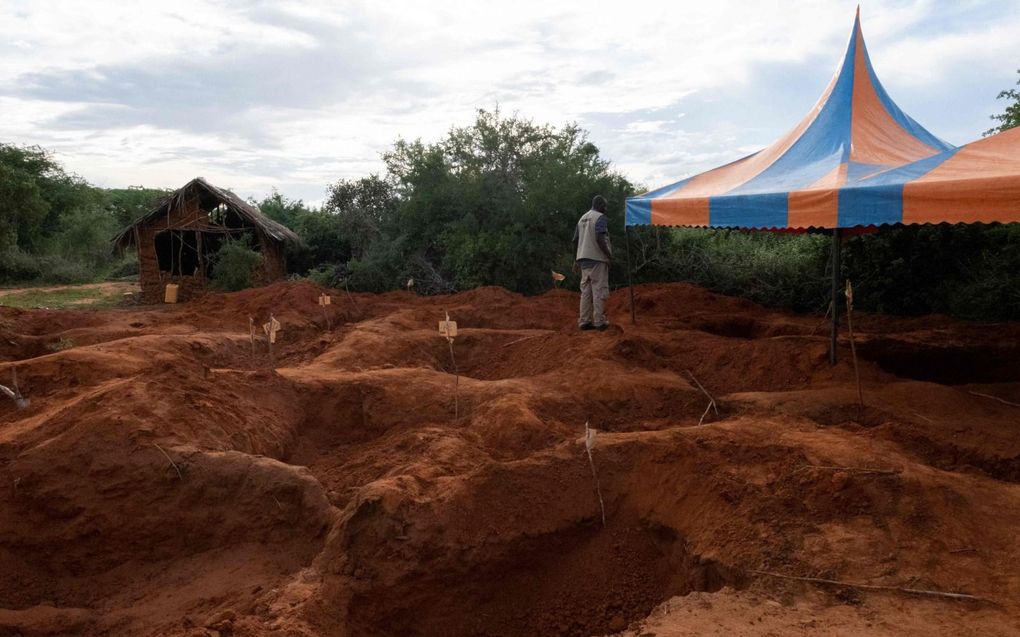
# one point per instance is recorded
(522, 339)
(876, 587)
(13, 392)
(825, 319)
(883, 472)
(180, 475)
(704, 413)
(711, 401)
(996, 398)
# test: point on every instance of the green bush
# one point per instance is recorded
(83, 235)
(322, 275)
(782, 270)
(235, 265)
(124, 267)
(969, 271)
(17, 266)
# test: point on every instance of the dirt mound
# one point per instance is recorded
(171, 477)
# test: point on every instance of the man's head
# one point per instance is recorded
(599, 203)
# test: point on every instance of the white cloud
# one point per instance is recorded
(300, 93)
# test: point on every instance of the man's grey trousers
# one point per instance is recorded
(594, 294)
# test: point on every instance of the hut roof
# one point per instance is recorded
(199, 187)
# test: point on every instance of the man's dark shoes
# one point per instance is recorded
(586, 326)
(602, 328)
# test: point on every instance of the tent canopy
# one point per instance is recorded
(856, 159)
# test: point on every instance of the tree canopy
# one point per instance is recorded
(1010, 118)
(495, 203)
(54, 225)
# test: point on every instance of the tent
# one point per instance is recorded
(856, 160)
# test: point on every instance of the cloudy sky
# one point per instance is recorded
(296, 94)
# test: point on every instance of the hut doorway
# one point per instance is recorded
(187, 252)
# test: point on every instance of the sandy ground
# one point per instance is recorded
(169, 478)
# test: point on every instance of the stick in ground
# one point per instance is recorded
(448, 329)
(711, 401)
(589, 444)
(849, 292)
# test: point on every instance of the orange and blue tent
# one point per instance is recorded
(855, 160)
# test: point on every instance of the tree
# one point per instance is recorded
(363, 208)
(495, 203)
(1011, 117)
(294, 214)
(125, 205)
(289, 212)
(36, 193)
(82, 235)
(55, 226)
(22, 206)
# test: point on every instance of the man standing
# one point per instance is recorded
(594, 253)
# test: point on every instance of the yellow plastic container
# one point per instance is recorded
(171, 293)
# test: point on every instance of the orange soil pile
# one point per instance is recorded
(167, 480)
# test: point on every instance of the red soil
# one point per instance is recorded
(338, 495)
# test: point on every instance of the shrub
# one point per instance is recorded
(323, 275)
(235, 265)
(772, 269)
(123, 268)
(17, 266)
(968, 271)
(83, 235)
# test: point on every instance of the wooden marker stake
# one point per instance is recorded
(448, 329)
(271, 328)
(324, 300)
(589, 444)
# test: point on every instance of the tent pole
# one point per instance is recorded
(630, 281)
(836, 265)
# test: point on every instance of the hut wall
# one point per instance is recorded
(274, 264)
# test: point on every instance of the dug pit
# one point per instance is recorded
(581, 581)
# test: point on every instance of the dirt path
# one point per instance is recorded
(170, 479)
(117, 287)
(64, 296)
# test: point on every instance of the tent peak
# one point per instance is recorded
(825, 172)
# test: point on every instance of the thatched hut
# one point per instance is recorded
(176, 240)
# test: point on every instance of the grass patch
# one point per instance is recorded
(62, 298)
